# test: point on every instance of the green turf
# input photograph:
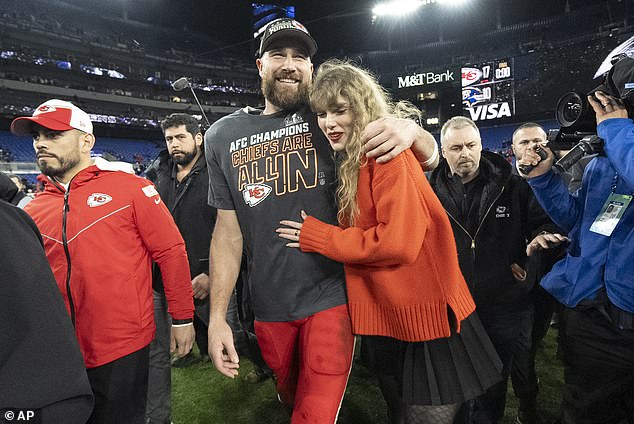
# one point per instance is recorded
(200, 395)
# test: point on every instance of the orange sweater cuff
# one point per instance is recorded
(315, 235)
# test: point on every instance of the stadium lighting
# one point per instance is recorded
(452, 2)
(397, 7)
(403, 7)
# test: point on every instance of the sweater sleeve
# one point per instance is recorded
(166, 246)
(402, 218)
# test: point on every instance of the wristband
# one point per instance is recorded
(186, 321)
(432, 158)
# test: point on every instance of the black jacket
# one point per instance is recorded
(507, 216)
(9, 192)
(40, 362)
(188, 204)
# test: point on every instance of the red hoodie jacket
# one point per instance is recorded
(100, 237)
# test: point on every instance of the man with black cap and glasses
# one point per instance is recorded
(594, 280)
(265, 166)
(102, 226)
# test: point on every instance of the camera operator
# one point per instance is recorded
(595, 280)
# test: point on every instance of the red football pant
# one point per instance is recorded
(311, 358)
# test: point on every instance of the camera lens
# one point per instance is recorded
(569, 109)
(573, 110)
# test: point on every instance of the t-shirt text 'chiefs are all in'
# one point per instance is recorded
(280, 161)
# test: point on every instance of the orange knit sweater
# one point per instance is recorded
(400, 258)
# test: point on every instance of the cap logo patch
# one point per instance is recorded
(286, 25)
(46, 109)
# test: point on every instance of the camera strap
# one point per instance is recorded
(615, 180)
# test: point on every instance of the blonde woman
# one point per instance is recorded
(406, 294)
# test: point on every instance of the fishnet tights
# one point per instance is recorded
(429, 414)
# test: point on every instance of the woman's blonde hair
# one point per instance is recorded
(367, 102)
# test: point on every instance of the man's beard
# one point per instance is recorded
(185, 158)
(65, 164)
(288, 100)
(463, 171)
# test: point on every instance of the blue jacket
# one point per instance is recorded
(594, 261)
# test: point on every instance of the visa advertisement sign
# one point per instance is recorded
(488, 90)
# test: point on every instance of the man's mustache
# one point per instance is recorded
(40, 155)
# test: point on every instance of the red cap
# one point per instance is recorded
(56, 115)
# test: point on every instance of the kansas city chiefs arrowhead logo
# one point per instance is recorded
(46, 108)
(255, 193)
(98, 199)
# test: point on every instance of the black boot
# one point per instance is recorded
(527, 412)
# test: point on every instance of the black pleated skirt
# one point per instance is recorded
(437, 372)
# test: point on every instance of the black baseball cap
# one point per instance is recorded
(286, 28)
(619, 81)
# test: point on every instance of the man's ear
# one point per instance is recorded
(258, 64)
(198, 138)
(87, 142)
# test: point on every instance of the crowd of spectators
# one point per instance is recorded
(112, 32)
(544, 68)
(5, 155)
(505, 41)
(107, 53)
(544, 75)
(31, 65)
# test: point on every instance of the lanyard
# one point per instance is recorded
(614, 182)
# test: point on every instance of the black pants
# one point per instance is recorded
(599, 370)
(120, 389)
(202, 339)
(523, 376)
(545, 305)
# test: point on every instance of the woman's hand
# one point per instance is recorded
(291, 231)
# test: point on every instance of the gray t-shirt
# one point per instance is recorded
(268, 168)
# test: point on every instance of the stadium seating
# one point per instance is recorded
(552, 55)
(125, 150)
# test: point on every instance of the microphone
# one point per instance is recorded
(181, 84)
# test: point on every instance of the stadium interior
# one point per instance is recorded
(119, 65)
